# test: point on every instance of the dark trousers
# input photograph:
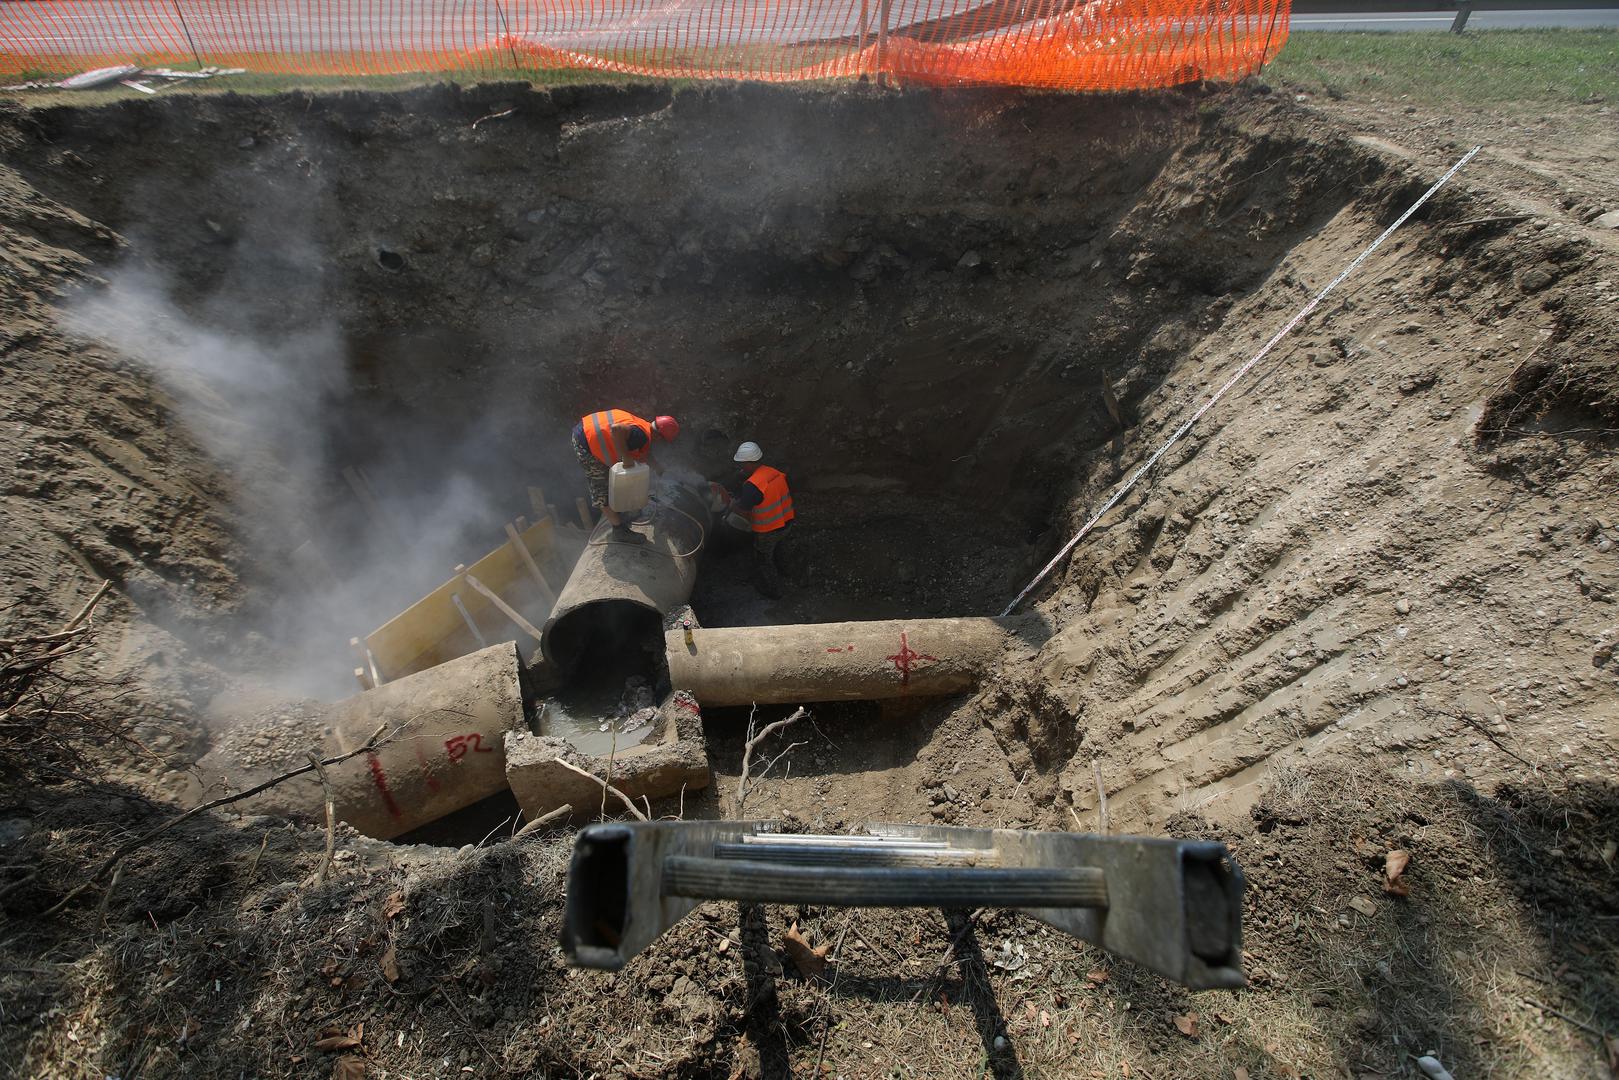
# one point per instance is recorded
(766, 561)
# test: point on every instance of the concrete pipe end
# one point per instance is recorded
(601, 626)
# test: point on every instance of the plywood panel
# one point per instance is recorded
(431, 631)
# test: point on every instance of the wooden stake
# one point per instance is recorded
(865, 21)
(584, 513)
(466, 616)
(368, 501)
(363, 653)
(536, 500)
(504, 608)
(882, 45)
(547, 593)
(359, 677)
(313, 565)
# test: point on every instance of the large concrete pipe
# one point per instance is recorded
(625, 589)
(846, 661)
(442, 747)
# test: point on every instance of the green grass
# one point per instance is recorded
(1489, 67)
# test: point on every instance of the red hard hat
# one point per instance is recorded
(668, 427)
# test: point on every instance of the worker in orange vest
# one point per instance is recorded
(604, 438)
(762, 505)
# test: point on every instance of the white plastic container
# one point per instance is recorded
(628, 486)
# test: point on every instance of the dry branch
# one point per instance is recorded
(1101, 797)
(747, 753)
(151, 834)
(53, 716)
(623, 798)
(543, 820)
(331, 816)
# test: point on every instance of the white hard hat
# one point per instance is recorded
(748, 451)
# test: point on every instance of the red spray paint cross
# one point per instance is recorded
(906, 658)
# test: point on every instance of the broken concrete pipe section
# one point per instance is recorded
(672, 760)
(442, 747)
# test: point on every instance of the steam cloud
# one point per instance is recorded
(275, 408)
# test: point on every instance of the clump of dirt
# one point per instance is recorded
(1367, 606)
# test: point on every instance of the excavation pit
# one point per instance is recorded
(940, 314)
(779, 266)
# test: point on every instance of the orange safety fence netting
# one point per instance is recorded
(1058, 44)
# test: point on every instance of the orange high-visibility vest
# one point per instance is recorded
(775, 510)
(599, 435)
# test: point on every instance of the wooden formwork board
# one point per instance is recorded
(434, 630)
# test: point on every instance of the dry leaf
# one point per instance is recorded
(1363, 905)
(1280, 1066)
(390, 963)
(349, 1067)
(1045, 1019)
(1124, 1067)
(810, 961)
(1394, 864)
(1224, 1019)
(1365, 848)
(1187, 1025)
(395, 903)
(1291, 1072)
(1239, 1073)
(331, 1044)
(1098, 976)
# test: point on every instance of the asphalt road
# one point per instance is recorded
(111, 27)
(1542, 18)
